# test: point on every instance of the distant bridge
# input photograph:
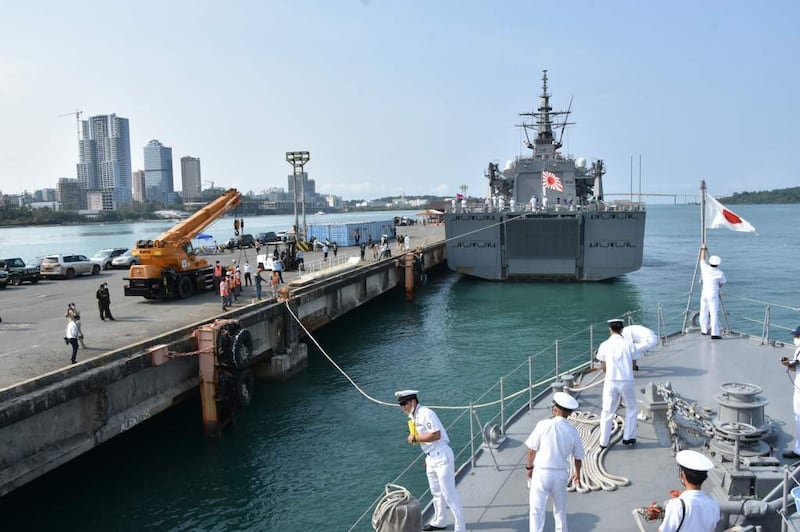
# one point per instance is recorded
(677, 199)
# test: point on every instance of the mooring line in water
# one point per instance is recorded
(394, 404)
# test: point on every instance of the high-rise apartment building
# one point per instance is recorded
(158, 178)
(137, 179)
(70, 194)
(105, 159)
(191, 181)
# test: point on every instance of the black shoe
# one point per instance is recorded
(629, 442)
(636, 367)
(716, 337)
(433, 527)
(791, 454)
(112, 319)
(704, 334)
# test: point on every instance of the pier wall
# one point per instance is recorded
(49, 420)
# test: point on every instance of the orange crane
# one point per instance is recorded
(169, 266)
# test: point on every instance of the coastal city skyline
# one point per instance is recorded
(406, 98)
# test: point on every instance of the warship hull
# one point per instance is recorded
(589, 244)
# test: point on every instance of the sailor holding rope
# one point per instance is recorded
(426, 430)
(694, 509)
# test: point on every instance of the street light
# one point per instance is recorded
(298, 159)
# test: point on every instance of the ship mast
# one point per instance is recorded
(544, 144)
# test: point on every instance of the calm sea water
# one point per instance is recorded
(312, 453)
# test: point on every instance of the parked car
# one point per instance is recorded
(3, 279)
(126, 260)
(19, 272)
(68, 266)
(105, 256)
(241, 241)
(268, 237)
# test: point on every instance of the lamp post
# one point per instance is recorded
(298, 159)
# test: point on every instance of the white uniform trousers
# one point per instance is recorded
(709, 315)
(552, 483)
(611, 392)
(797, 439)
(440, 468)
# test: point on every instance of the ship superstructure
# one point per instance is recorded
(544, 216)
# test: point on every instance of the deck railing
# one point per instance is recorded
(548, 369)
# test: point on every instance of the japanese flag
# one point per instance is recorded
(718, 216)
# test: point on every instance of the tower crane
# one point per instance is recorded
(77, 114)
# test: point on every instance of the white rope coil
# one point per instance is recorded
(395, 496)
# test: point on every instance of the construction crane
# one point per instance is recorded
(169, 267)
(77, 114)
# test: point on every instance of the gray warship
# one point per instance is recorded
(545, 216)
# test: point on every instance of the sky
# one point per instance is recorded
(406, 97)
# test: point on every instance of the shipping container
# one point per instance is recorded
(352, 233)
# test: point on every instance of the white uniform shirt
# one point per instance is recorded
(712, 278)
(554, 440)
(641, 338)
(617, 353)
(247, 268)
(426, 421)
(702, 513)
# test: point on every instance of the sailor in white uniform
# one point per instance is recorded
(616, 356)
(712, 279)
(694, 510)
(550, 445)
(641, 338)
(431, 435)
(791, 365)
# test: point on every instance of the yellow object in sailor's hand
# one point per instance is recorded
(412, 430)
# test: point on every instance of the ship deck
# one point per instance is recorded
(496, 499)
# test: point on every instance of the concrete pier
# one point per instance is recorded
(145, 361)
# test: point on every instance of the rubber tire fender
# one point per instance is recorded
(225, 338)
(243, 390)
(242, 349)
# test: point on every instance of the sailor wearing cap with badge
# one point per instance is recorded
(791, 365)
(426, 430)
(616, 356)
(712, 279)
(550, 445)
(693, 510)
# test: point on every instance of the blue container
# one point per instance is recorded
(352, 233)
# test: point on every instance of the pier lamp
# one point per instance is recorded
(298, 159)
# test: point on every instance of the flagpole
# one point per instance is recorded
(699, 253)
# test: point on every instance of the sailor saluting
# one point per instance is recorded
(426, 430)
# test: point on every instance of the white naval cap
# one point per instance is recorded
(694, 461)
(615, 320)
(406, 395)
(565, 400)
(714, 260)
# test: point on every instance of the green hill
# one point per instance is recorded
(781, 195)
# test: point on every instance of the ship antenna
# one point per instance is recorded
(564, 125)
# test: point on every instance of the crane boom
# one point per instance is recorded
(194, 224)
(168, 265)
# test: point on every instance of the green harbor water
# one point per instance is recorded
(313, 453)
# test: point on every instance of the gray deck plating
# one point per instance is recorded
(696, 366)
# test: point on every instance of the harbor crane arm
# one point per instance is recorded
(194, 224)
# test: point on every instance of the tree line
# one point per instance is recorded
(11, 215)
(781, 195)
